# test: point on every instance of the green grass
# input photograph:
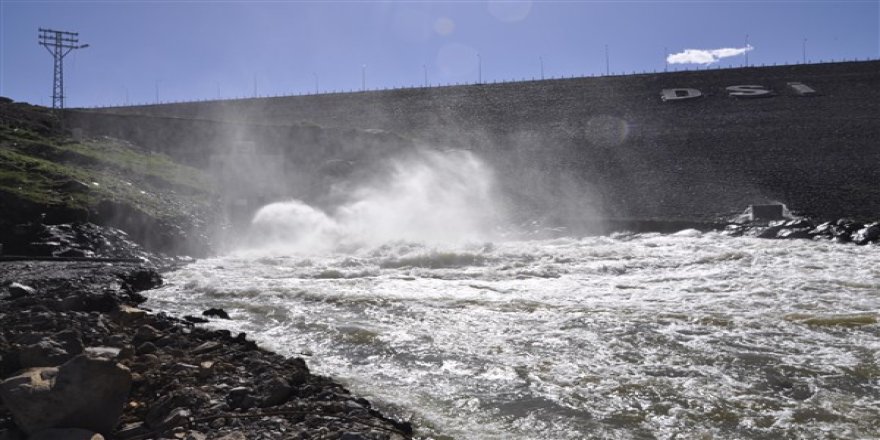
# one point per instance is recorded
(55, 170)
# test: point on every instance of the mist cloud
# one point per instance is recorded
(426, 197)
(706, 56)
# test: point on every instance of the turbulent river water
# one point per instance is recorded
(687, 335)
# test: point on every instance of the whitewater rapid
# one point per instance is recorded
(688, 335)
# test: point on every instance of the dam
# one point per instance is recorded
(608, 147)
(619, 336)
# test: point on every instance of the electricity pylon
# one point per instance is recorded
(59, 44)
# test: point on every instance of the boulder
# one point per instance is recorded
(869, 234)
(217, 313)
(825, 230)
(103, 302)
(85, 392)
(147, 333)
(127, 315)
(171, 410)
(45, 353)
(146, 348)
(794, 233)
(52, 350)
(771, 232)
(143, 279)
(278, 392)
(240, 397)
(799, 223)
(194, 319)
(206, 347)
(847, 226)
(18, 290)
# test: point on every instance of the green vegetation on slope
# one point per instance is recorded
(43, 168)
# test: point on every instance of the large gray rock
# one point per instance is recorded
(870, 233)
(18, 290)
(86, 392)
(52, 350)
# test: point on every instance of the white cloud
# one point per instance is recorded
(703, 56)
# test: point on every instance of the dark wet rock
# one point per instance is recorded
(70, 341)
(216, 313)
(147, 333)
(206, 347)
(240, 397)
(50, 350)
(84, 392)
(824, 230)
(175, 409)
(278, 392)
(176, 417)
(869, 234)
(842, 230)
(195, 319)
(18, 290)
(146, 348)
(794, 233)
(800, 391)
(734, 230)
(299, 372)
(847, 223)
(800, 223)
(142, 279)
(43, 354)
(771, 232)
(89, 302)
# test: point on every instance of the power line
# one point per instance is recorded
(59, 44)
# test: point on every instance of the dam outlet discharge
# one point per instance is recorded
(427, 197)
(407, 294)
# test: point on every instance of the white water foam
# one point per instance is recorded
(632, 336)
(430, 197)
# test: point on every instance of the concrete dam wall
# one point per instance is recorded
(603, 147)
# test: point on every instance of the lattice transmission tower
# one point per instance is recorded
(59, 44)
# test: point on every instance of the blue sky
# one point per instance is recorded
(205, 49)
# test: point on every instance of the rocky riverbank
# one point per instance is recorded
(842, 230)
(79, 358)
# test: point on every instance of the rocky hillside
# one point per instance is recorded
(49, 176)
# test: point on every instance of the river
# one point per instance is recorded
(628, 336)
